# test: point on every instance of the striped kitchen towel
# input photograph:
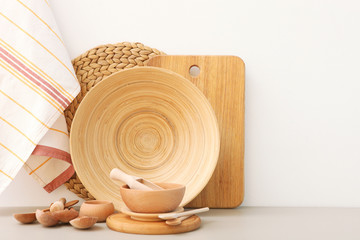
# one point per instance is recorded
(37, 82)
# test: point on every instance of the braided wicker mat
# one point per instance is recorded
(93, 66)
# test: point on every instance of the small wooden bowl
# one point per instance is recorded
(156, 201)
(97, 208)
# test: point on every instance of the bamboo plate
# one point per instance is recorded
(147, 217)
(149, 122)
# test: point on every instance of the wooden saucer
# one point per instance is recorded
(147, 217)
(123, 223)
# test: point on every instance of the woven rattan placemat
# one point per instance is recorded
(93, 66)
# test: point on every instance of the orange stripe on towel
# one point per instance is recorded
(13, 100)
(17, 130)
(40, 165)
(24, 81)
(6, 174)
(38, 43)
(41, 21)
(34, 78)
(57, 130)
(12, 152)
(35, 68)
(53, 129)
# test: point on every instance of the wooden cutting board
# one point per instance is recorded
(123, 223)
(221, 79)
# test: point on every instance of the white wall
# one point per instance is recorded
(302, 85)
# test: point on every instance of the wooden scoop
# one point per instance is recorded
(132, 181)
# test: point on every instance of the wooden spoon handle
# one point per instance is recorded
(175, 215)
(177, 221)
(71, 203)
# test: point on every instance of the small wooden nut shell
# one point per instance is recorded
(83, 222)
(58, 205)
(25, 217)
(65, 215)
(46, 218)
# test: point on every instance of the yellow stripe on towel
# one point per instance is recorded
(47, 25)
(38, 43)
(12, 152)
(17, 130)
(30, 85)
(40, 165)
(6, 174)
(36, 69)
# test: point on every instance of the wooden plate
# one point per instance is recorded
(123, 223)
(147, 217)
(149, 122)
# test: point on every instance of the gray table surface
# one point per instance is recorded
(242, 223)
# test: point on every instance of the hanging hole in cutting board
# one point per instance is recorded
(194, 71)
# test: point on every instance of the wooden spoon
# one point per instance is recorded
(177, 221)
(132, 181)
(168, 216)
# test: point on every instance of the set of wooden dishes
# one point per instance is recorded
(148, 122)
(144, 202)
(150, 223)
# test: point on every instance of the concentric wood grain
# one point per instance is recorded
(91, 67)
(149, 122)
